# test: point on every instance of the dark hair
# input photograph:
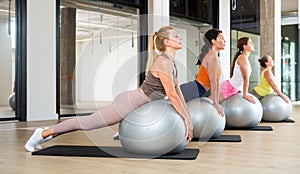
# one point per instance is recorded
(240, 46)
(208, 37)
(263, 60)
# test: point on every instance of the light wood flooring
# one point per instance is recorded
(265, 152)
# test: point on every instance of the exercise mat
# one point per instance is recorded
(110, 152)
(289, 120)
(223, 138)
(257, 128)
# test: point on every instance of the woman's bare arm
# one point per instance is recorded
(244, 65)
(271, 80)
(212, 66)
(163, 70)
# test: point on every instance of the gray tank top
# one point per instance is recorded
(152, 85)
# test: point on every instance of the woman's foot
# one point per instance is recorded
(116, 136)
(35, 138)
(39, 144)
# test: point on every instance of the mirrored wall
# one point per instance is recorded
(7, 59)
(192, 33)
(98, 44)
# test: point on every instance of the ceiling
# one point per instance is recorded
(291, 6)
(106, 20)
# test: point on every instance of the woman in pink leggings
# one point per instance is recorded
(240, 72)
(161, 81)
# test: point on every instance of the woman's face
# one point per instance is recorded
(249, 46)
(175, 40)
(220, 42)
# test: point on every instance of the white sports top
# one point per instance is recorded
(237, 79)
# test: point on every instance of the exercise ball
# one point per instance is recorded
(12, 101)
(154, 128)
(242, 113)
(275, 108)
(207, 122)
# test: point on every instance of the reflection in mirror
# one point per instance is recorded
(98, 41)
(7, 59)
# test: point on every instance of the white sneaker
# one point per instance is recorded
(39, 144)
(116, 136)
(35, 138)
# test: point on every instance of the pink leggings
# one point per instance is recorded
(123, 104)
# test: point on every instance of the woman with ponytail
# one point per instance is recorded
(161, 81)
(209, 71)
(240, 72)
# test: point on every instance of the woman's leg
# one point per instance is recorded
(227, 90)
(191, 90)
(123, 104)
(253, 92)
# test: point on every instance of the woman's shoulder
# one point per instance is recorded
(242, 59)
(209, 58)
(162, 60)
(267, 71)
(162, 64)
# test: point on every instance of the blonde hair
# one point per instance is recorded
(157, 41)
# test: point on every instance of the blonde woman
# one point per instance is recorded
(161, 81)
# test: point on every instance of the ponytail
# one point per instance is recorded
(263, 61)
(237, 54)
(204, 50)
(240, 46)
(157, 42)
(151, 54)
(208, 37)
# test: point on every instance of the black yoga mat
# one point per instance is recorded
(283, 121)
(223, 138)
(227, 138)
(257, 128)
(109, 152)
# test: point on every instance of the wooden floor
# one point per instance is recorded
(276, 151)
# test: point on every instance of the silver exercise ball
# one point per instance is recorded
(242, 113)
(154, 128)
(12, 101)
(275, 108)
(207, 123)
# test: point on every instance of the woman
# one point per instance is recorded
(161, 81)
(240, 72)
(267, 83)
(209, 71)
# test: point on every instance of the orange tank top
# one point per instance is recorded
(203, 77)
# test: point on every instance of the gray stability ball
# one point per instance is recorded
(207, 123)
(154, 128)
(275, 108)
(242, 113)
(12, 101)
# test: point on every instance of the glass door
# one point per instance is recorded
(288, 69)
(98, 54)
(7, 59)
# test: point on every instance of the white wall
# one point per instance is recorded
(5, 64)
(41, 44)
(104, 70)
(158, 14)
(224, 19)
(277, 41)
